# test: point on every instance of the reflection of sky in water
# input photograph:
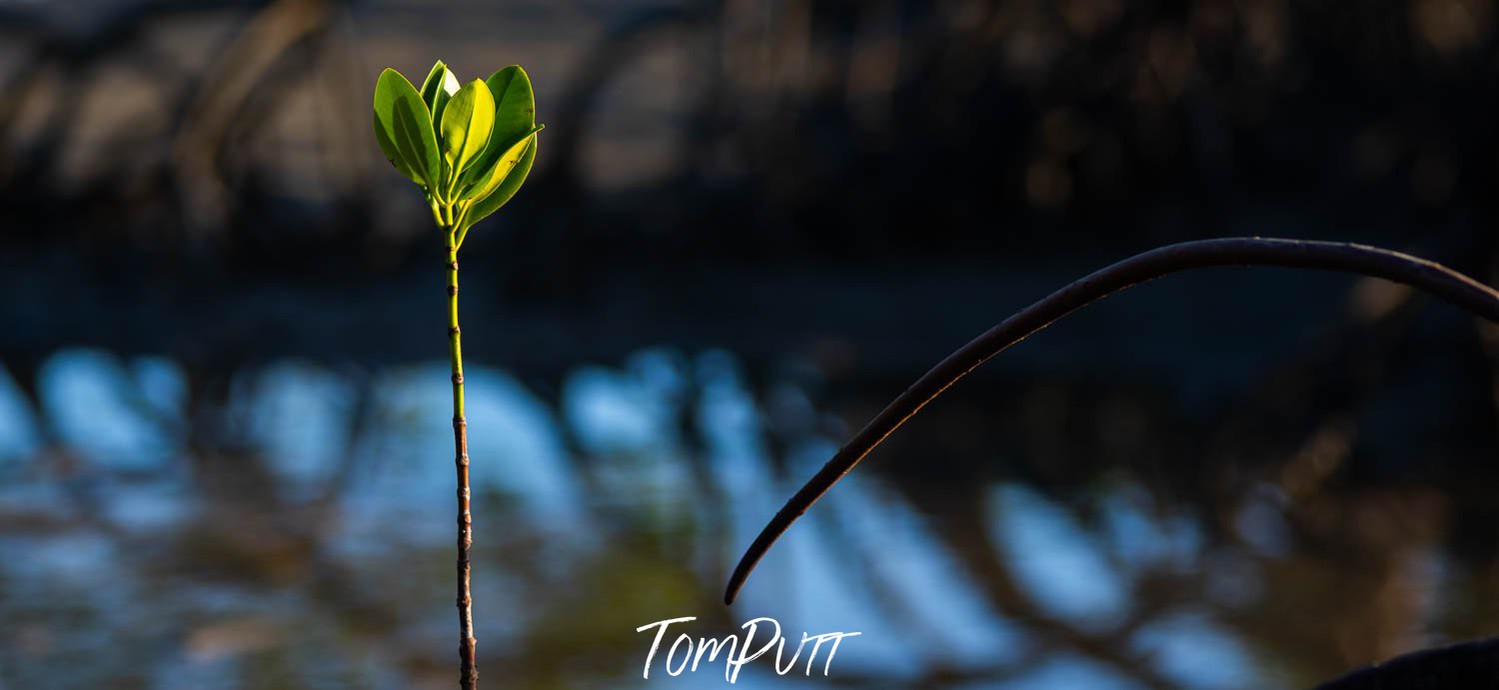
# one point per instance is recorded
(297, 418)
(863, 561)
(1140, 539)
(96, 410)
(1064, 671)
(1191, 650)
(1056, 560)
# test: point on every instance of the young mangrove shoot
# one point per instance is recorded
(469, 148)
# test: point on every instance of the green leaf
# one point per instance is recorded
(466, 126)
(405, 126)
(485, 181)
(388, 148)
(515, 118)
(514, 102)
(509, 183)
(415, 138)
(440, 86)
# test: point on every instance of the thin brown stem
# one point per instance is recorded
(468, 677)
(1434, 278)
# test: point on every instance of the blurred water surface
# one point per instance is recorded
(315, 549)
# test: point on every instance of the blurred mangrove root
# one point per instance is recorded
(1429, 276)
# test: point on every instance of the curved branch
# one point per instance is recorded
(1429, 276)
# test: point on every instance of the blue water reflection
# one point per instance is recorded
(1061, 564)
(321, 557)
(92, 402)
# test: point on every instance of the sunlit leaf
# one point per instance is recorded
(491, 178)
(466, 125)
(471, 146)
(439, 86)
(515, 118)
(514, 102)
(388, 148)
(415, 138)
(404, 125)
(508, 184)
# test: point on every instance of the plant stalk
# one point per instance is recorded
(468, 666)
(1456, 288)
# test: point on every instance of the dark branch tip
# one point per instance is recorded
(1455, 287)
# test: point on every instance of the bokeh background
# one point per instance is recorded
(225, 459)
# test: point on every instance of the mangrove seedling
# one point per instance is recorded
(469, 148)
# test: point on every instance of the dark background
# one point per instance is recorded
(224, 459)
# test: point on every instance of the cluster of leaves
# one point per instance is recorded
(469, 147)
